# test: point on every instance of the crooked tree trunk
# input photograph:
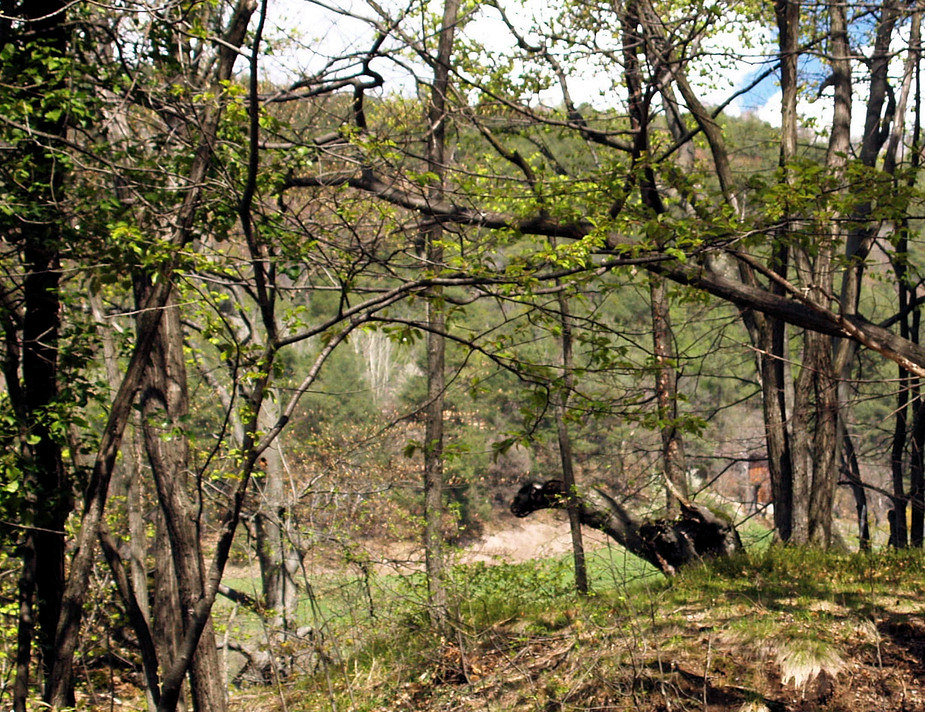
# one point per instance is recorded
(164, 406)
(667, 544)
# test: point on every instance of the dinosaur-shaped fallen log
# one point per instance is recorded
(667, 544)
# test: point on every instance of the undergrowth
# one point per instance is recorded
(748, 629)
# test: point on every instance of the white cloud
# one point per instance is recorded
(770, 110)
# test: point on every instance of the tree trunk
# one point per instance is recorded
(771, 343)
(25, 625)
(770, 332)
(565, 448)
(899, 537)
(860, 238)
(436, 321)
(815, 410)
(917, 477)
(126, 484)
(668, 545)
(167, 621)
(666, 395)
(826, 449)
(814, 448)
(641, 31)
(164, 406)
(47, 487)
(433, 467)
(909, 318)
(279, 558)
(826, 368)
(853, 474)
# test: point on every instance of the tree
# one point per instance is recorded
(435, 159)
(564, 440)
(251, 229)
(650, 214)
(44, 36)
(36, 41)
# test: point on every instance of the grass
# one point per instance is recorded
(483, 593)
(748, 630)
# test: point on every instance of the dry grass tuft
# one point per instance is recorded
(802, 660)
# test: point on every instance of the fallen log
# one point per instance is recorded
(667, 544)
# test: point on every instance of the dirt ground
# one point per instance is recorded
(541, 535)
(510, 541)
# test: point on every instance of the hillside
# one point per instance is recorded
(785, 629)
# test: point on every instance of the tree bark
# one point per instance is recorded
(666, 395)
(164, 407)
(565, 447)
(167, 621)
(436, 320)
(815, 428)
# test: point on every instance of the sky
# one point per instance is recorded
(321, 33)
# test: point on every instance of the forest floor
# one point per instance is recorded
(781, 630)
(697, 660)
